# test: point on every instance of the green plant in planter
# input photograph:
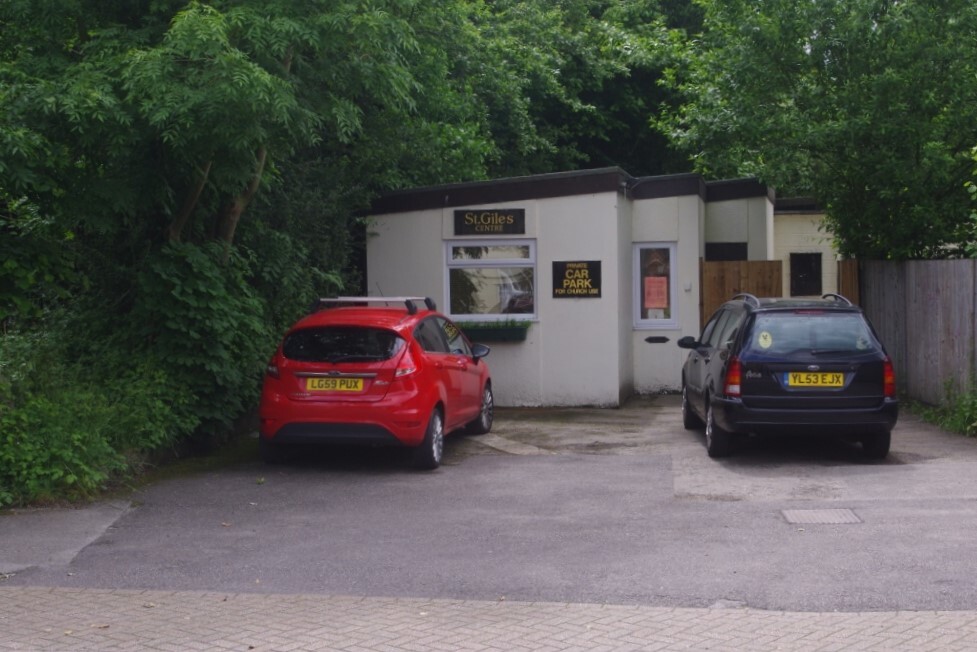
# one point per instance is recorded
(508, 330)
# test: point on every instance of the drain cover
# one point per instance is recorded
(821, 516)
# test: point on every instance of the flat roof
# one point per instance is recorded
(797, 205)
(566, 184)
(538, 186)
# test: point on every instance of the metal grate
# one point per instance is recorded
(821, 516)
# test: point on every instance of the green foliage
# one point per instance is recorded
(47, 451)
(35, 262)
(971, 188)
(293, 274)
(135, 137)
(554, 80)
(863, 104)
(958, 412)
(497, 323)
(204, 326)
(70, 423)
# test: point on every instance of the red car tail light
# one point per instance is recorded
(888, 379)
(405, 367)
(734, 373)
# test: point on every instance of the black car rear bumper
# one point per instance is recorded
(733, 416)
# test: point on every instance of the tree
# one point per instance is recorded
(179, 179)
(867, 105)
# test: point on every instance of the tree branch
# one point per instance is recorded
(174, 232)
(232, 212)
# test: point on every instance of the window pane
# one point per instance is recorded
(730, 329)
(777, 334)
(656, 300)
(717, 332)
(341, 343)
(710, 327)
(726, 251)
(492, 290)
(456, 341)
(491, 252)
(428, 335)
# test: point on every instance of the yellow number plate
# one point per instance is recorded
(334, 384)
(815, 379)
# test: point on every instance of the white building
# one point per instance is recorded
(807, 252)
(596, 261)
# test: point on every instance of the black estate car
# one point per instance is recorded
(789, 366)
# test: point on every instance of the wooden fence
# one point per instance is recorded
(924, 311)
(721, 280)
(848, 285)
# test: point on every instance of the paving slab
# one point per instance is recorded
(550, 514)
(112, 620)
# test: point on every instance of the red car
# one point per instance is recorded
(349, 373)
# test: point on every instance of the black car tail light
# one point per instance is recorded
(734, 375)
(888, 379)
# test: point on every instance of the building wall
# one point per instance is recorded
(573, 353)
(625, 342)
(657, 366)
(399, 251)
(748, 220)
(579, 356)
(578, 351)
(800, 233)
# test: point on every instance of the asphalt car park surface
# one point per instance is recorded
(617, 507)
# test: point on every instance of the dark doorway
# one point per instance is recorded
(719, 251)
(805, 275)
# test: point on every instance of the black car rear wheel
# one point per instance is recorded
(875, 446)
(719, 443)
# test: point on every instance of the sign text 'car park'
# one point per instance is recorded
(576, 279)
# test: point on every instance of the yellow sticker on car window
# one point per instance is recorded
(765, 340)
(450, 331)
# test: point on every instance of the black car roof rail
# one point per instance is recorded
(748, 297)
(409, 302)
(836, 297)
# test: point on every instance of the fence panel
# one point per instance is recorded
(848, 280)
(723, 279)
(924, 311)
(883, 292)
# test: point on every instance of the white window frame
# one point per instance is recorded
(672, 321)
(529, 262)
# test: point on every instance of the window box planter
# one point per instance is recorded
(496, 331)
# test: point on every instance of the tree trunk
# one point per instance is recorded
(174, 232)
(232, 212)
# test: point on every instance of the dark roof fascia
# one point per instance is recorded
(669, 185)
(797, 205)
(731, 189)
(540, 186)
